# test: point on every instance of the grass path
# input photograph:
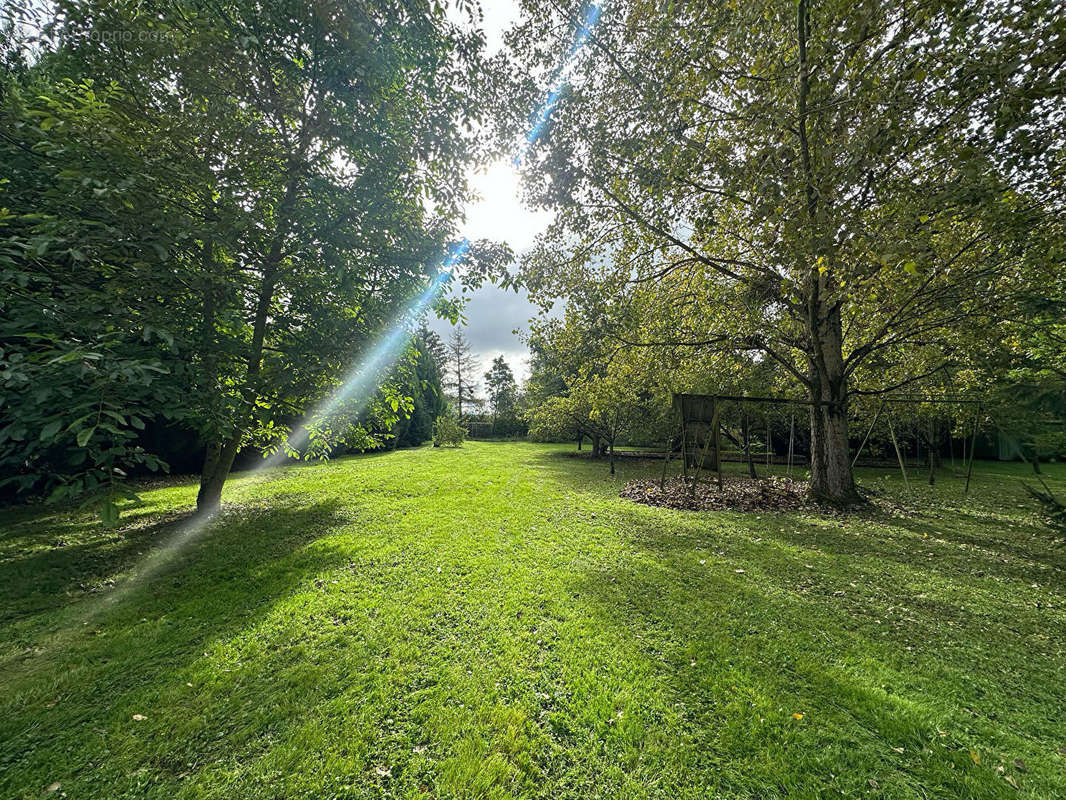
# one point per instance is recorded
(494, 622)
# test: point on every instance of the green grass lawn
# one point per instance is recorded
(495, 622)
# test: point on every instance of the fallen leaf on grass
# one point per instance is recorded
(53, 702)
(1011, 781)
(873, 784)
(52, 787)
(797, 715)
(1020, 765)
(383, 772)
(139, 717)
(975, 756)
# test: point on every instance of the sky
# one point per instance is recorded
(492, 314)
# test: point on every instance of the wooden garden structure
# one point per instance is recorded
(968, 460)
(700, 415)
(700, 419)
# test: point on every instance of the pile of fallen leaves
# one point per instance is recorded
(737, 494)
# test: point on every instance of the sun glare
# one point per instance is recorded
(498, 212)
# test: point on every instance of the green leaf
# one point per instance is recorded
(108, 513)
(51, 429)
(84, 435)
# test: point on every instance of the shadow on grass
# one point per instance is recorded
(895, 687)
(887, 630)
(956, 540)
(240, 560)
(104, 659)
(76, 557)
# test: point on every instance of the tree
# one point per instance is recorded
(423, 384)
(430, 343)
(830, 188)
(87, 357)
(502, 390)
(583, 385)
(447, 432)
(281, 161)
(459, 381)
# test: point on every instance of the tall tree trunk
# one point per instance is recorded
(832, 479)
(219, 457)
(611, 446)
(209, 495)
(933, 451)
(831, 476)
(459, 383)
(217, 463)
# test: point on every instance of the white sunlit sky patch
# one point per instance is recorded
(497, 213)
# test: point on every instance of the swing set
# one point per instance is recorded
(702, 427)
(967, 459)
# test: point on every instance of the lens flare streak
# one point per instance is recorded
(364, 379)
(361, 383)
(563, 76)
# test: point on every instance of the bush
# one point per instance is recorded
(448, 432)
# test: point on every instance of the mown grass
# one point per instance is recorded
(495, 622)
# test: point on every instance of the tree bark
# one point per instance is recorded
(217, 464)
(832, 479)
(611, 446)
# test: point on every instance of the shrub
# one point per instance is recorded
(448, 432)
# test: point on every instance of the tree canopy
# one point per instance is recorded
(212, 216)
(853, 192)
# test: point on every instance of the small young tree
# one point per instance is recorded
(447, 432)
(459, 373)
(502, 390)
(420, 378)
